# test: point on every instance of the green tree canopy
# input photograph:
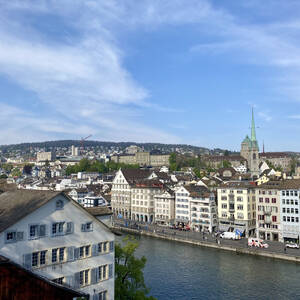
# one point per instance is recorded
(129, 277)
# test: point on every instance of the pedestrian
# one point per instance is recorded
(216, 241)
(284, 249)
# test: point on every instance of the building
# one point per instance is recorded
(165, 207)
(121, 190)
(79, 195)
(268, 225)
(74, 151)
(281, 160)
(237, 207)
(217, 161)
(53, 236)
(196, 207)
(250, 150)
(290, 209)
(143, 159)
(143, 200)
(45, 156)
(16, 282)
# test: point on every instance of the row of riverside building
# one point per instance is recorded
(270, 211)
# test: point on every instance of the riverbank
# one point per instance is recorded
(221, 246)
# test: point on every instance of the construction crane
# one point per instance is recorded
(82, 142)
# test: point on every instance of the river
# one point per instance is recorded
(178, 271)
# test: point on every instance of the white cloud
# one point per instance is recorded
(265, 116)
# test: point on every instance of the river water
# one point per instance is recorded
(179, 271)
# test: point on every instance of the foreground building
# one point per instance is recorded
(53, 236)
(165, 207)
(237, 207)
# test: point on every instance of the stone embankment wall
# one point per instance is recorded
(237, 250)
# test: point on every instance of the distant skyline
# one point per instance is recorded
(171, 71)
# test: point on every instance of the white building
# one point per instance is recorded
(165, 207)
(290, 209)
(241, 169)
(50, 234)
(196, 207)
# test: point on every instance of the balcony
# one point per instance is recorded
(267, 211)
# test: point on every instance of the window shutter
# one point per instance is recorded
(77, 280)
(42, 230)
(110, 271)
(95, 250)
(70, 251)
(94, 276)
(76, 253)
(70, 281)
(20, 236)
(27, 260)
(111, 246)
(70, 227)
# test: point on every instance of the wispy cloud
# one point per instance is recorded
(265, 116)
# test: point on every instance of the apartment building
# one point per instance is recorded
(165, 207)
(237, 207)
(143, 201)
(53, 236)
(196, 207)
(290, 210)
(268, 226)
(121, 190)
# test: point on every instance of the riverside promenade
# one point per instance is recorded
(275, 250)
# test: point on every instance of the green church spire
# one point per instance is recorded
(253, 134)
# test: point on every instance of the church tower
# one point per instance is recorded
(250, 150)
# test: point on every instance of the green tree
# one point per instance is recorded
(226, 164)
(129, 277)
(27, 169)
(16, 172)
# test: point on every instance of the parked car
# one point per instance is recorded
(229, 235)
(292, 245)
(255, 242)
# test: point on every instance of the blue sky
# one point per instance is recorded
(172, 71)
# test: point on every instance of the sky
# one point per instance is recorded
(171, 71)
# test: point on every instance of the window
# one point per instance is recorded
(295, 193)
(297, 219)
(240, 207)
(61, 254)
(260, 199)
(102, 272)
(283, 201)
(37, 231)
(35, 257)
(283, 209)
(284, 218)
(288, 210)
(296, 211)
(84, 277)
(292, 202)
(103, 295)
(273, 200)
(59, 204)
(287, 193)
(287, 201)
(58, 255)
(84, 251)
(288, 219)
(296, 202)
(274, 219)
(59, 280)
(58, 228)
(87, 227)
(292, 219)
(224, 206)
(267, 200)
(283, 193)
(43, 257)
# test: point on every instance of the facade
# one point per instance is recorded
(143, 159)
(165, 207)
(45, 156)
(237, 207)
(277, 159)
(196, 207)
(268, 225)
(143, 201)
(51, 235)
(290, 210)
(216, 161)
(250, 151)
(121, 190)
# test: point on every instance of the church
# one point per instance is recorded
(250, 151)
